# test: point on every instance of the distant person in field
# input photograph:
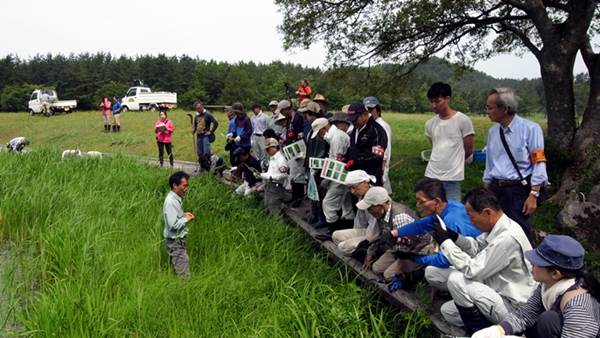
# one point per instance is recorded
(204, 128)
(45, 99)
(116, 112)
(176, 221)
(105, 108)
(17, 144)
(164, 132)
(451, 135)
(517, 185)
(304, 91)
(374, 108)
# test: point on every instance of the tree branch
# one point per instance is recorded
(524, 38)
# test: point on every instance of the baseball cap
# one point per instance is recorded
(284, 104)
(355, 110)
(317, 125)
(271, 142)
(557, 250)
(375, 196)
(273, 103)
(370, 102)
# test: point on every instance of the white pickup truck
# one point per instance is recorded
(36, 103)
(142, 98)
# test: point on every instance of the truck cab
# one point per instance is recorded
(36, 102)
(142, 98)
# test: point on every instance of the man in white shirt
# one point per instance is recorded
(374, 108)
(275, 178)
(451, 135)
(260, 123)
(489, 275)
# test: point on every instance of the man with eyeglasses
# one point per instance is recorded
(432, 202)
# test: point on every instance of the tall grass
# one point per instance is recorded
(88, 260)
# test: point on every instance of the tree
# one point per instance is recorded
(412, 31)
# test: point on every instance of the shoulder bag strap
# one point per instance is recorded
(510, 156)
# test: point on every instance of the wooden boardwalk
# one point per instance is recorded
(406, 301)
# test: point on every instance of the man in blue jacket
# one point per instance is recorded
(432, 202)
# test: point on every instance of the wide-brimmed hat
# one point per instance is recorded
(557, 251)
(317, 125)
(273, 103)
(283, 104)
(375, 196)
(320, 98)
(280, 117)
(339, 117)
(358, 176)
(271, 142)
(309, 106)
(237, 108)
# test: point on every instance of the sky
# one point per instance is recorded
(223, 30)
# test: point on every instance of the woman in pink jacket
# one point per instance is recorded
(105, 107)
(164, 130)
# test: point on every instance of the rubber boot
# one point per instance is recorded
(106, 128)
(473, 319)
(118, 128)
(297, 194)
(113, 128)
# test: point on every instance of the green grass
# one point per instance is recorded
(89, 261)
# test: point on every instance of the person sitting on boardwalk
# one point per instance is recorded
(431, 202)
(176, 221)
(275, 178)
(489, 275)
(358, 183)
(379, 204)
(565, 304)
(247, 165)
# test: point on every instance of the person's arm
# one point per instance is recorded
(468, 135)
(194, 124)
(174, 222)
(525, 315)
(247, 129)
(578, 318)
(438, 260)
(170, 128)
(468, 142)
(488, 262)
(487, 178)
(538, 159)
(416, 228)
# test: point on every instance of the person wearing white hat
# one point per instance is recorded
(316, 147)
(358, 183)
(337, 197)
(374, 108)
(379, 204)
(294, 131)
(275, 178)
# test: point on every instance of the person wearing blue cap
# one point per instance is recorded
(565, 304)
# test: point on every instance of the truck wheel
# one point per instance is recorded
(124, 109)
(31, 112)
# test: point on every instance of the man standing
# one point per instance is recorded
(374, 108)
(260, 123)
(176, 221)
(515, 167)
(294, 132)
(368, 141)
(490, 275)
(45, 99)
(451, 135)
(204, 127)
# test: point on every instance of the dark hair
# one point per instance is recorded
(439, 89)
(481, 198)
(588, 280)
(197, 103)
(255, 105)
(270, 133)
(176, 178)
(432, 188)
(163, 111)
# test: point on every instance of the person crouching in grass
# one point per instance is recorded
(176, 221)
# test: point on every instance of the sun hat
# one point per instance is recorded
(284, 104)
(339, 117)
(358, 176)
(375, 196)
(237, 108)
(317, 125)
(273, 103)
(320, 98)
(557, 250)
(271, 142)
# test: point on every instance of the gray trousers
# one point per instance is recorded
(337, 198)
(274, 197)
(177, 251)
(467, 293)
(258, 148)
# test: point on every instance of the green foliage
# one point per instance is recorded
(16, 98)
(110, 89)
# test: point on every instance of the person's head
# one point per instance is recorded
(104, 98)
(304, 82)
(256, 108)
(376, 202)
(310, 110)
(179, 183)
(238, 109)
(358, 182)
(230, 114)
(483, 208)
(271, 146)
(320, 127)
(557, 257)
(115, 98)
(358, 114)
(162, 115)
(285, 108)
(241, 154)
(322, 102)
(430, 196)
(501, 104)
(373, 106)
(199, 106)
(340, 120)
(439, 95)
(273, 106)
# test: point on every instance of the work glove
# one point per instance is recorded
(238, 139)
(440, 235)
(349, 164)
(395, 284)
(489, 332)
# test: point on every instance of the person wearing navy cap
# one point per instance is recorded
(368, 141)
(565, 304)
(374, 107)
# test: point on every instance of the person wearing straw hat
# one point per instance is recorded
(337, 197)
(323, 104)
(565, 303)
(374, 108)
(489, 275)
(275, 178)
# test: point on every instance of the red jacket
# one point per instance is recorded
(166, 135)
(303, 93)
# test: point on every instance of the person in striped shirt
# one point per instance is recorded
(565, 304)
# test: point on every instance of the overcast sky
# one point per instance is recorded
(223, 30)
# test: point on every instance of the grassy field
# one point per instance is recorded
(88, 261)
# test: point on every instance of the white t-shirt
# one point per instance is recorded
(447, 162)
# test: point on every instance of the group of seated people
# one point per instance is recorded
(471, 250)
